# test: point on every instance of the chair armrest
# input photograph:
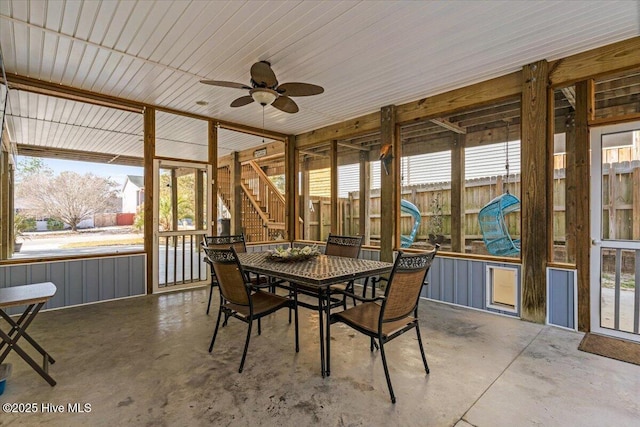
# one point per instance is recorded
(360, 298)
(375, 280)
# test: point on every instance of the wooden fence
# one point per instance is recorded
(621, 218)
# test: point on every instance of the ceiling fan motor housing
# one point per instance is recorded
(263, 96)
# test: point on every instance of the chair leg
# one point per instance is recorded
(424, 358)
(210, 295)
(259, 326)
(386, 372)
(321, 328)
(215, 332)
(295, 309)
(246, 346)
(352, 289)
(296, 297)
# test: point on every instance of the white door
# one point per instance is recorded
(615, 230)
(181, 216)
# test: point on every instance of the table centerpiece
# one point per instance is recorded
(282, 254)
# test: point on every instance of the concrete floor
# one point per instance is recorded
(144, 361)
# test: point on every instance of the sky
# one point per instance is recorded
(117, 173)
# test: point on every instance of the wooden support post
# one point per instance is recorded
(212, 181)
(635, 184)
(335, 225)
(571, 191)
(613, 198)
(364, 223)
(550, 138)
(390, 187)
(149, 178)
(236, 194)
(306, 201)
(535, 223)
(585, 99)
(12, 204)
(321, 215)
(199, 198)
(291, 168)
(457, 195)
(174, 200)
(6, 217)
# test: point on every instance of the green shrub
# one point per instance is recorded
(30, 224)
(54, 224)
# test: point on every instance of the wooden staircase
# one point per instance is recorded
(263, 206)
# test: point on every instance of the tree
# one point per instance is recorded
(185, 202)
(29, 166)
(69, 197)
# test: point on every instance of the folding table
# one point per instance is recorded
(34, 297)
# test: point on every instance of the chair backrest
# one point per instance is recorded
(346, 246)
(224, 242)
(405, 282)
(231, 278)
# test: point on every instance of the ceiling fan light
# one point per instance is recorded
(263, 96)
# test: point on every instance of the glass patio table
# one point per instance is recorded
(320, 272)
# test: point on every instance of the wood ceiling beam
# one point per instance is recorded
(313, 153)
(237, 127)
(477, 94)
(16, 81)
(41, 87)
(596, 62)
(352, 146)
(78, 155)
(342, 130)
(570, 93)
(449, 126)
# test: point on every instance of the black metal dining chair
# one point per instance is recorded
(387, 317)
(344, 246)
(243, 301)
(236, 241)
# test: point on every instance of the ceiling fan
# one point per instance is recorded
(265, 89)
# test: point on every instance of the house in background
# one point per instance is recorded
(132, 194)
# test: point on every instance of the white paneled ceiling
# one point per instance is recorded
(365, 54)
(52, 122)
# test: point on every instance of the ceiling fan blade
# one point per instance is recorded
(232, 85)
(243, 100)
(286, 104)
(263, 75)
(299, 89)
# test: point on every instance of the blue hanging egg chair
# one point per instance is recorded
(494, 228)
(408, 207)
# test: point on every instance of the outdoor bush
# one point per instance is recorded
(138, 220)
(30, 224)
(21, 224)
(54, 224)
